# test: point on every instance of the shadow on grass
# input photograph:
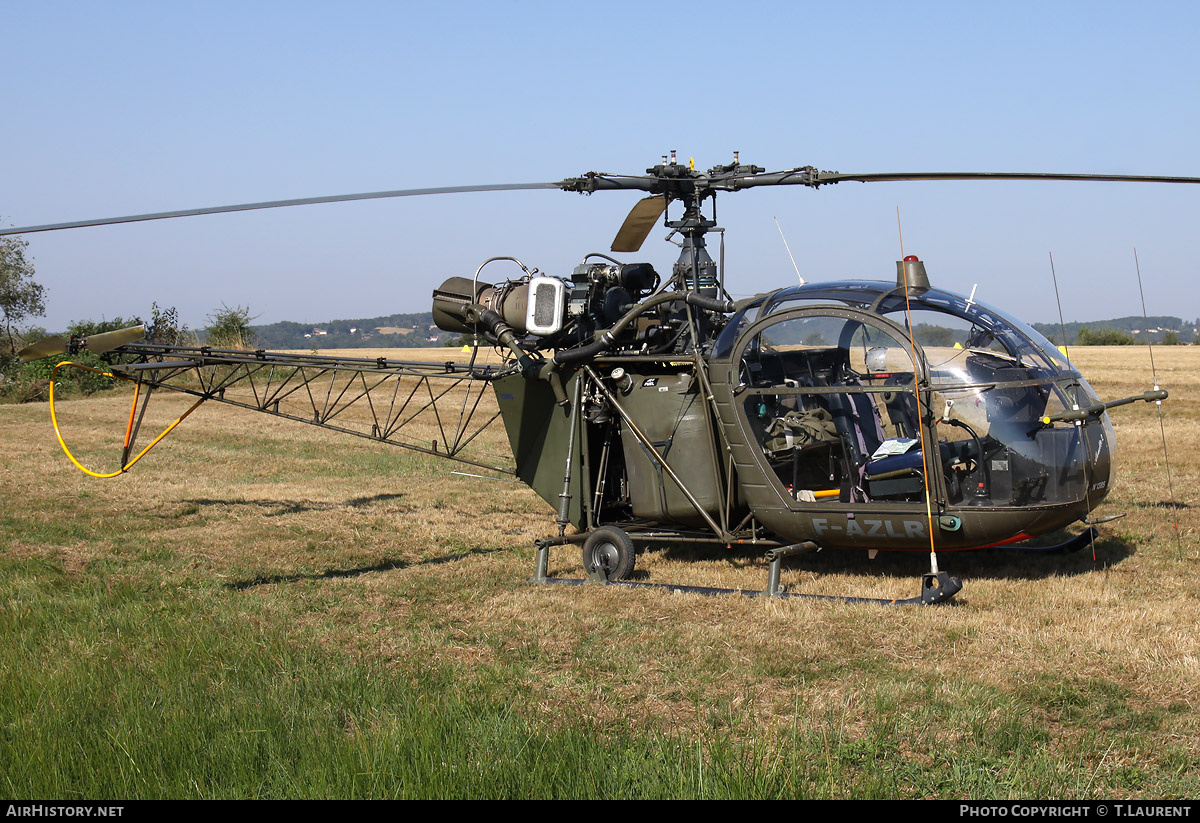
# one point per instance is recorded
(330, 574)
(1001, 563)
(1163, 504)
(282, 507)
(981, 563)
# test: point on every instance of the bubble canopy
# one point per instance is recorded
(839, 388)
(940, 320)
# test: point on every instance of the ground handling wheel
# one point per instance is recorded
(608, 551)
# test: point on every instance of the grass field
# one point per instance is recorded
(265, 609)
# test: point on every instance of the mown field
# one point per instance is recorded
(265, 609)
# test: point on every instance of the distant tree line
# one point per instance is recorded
(1169, 331)
(1103, 337)
(370, 332)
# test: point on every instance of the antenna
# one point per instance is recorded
(789, 251)
(1062, 327)
(902, 271)
(1087, 489)
(1154, 374)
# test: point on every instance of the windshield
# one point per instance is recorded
(965, 341)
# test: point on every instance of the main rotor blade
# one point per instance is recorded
(809, 176)
(638, 223)
(834, 177)
(593, 181)
(277, 204)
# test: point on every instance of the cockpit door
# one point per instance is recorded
(825, 402)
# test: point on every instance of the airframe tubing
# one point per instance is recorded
(211, 390)
(128, 428)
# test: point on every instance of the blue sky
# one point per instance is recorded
(130, 107)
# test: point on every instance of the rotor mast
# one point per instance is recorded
(695, 270)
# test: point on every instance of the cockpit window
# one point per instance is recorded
(968, 341)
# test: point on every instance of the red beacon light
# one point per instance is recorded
(910, 275)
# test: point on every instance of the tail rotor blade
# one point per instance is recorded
(109, 340)
(98, 343)
(44, 348)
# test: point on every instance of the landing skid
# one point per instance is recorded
(936, 588)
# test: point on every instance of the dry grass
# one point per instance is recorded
(389, 556)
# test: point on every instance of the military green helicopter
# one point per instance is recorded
(650, 409)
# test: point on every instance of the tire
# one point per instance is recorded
(610, 550)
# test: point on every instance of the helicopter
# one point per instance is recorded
(651, 409)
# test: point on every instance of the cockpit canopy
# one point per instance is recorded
(839, 382)
(949, 327)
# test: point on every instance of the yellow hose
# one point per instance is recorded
(128, 428)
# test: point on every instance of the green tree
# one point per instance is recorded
(1171, 338)
(20, 295)
(164, 327)
(929, 335)
(84, 328)
(1103, 337)
(230, 328)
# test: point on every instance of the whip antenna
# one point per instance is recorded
(1062, 328)
(1087, 489)
(1154, 375)
(912, 343)
(786, 246)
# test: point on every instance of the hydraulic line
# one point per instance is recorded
(128, 429)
